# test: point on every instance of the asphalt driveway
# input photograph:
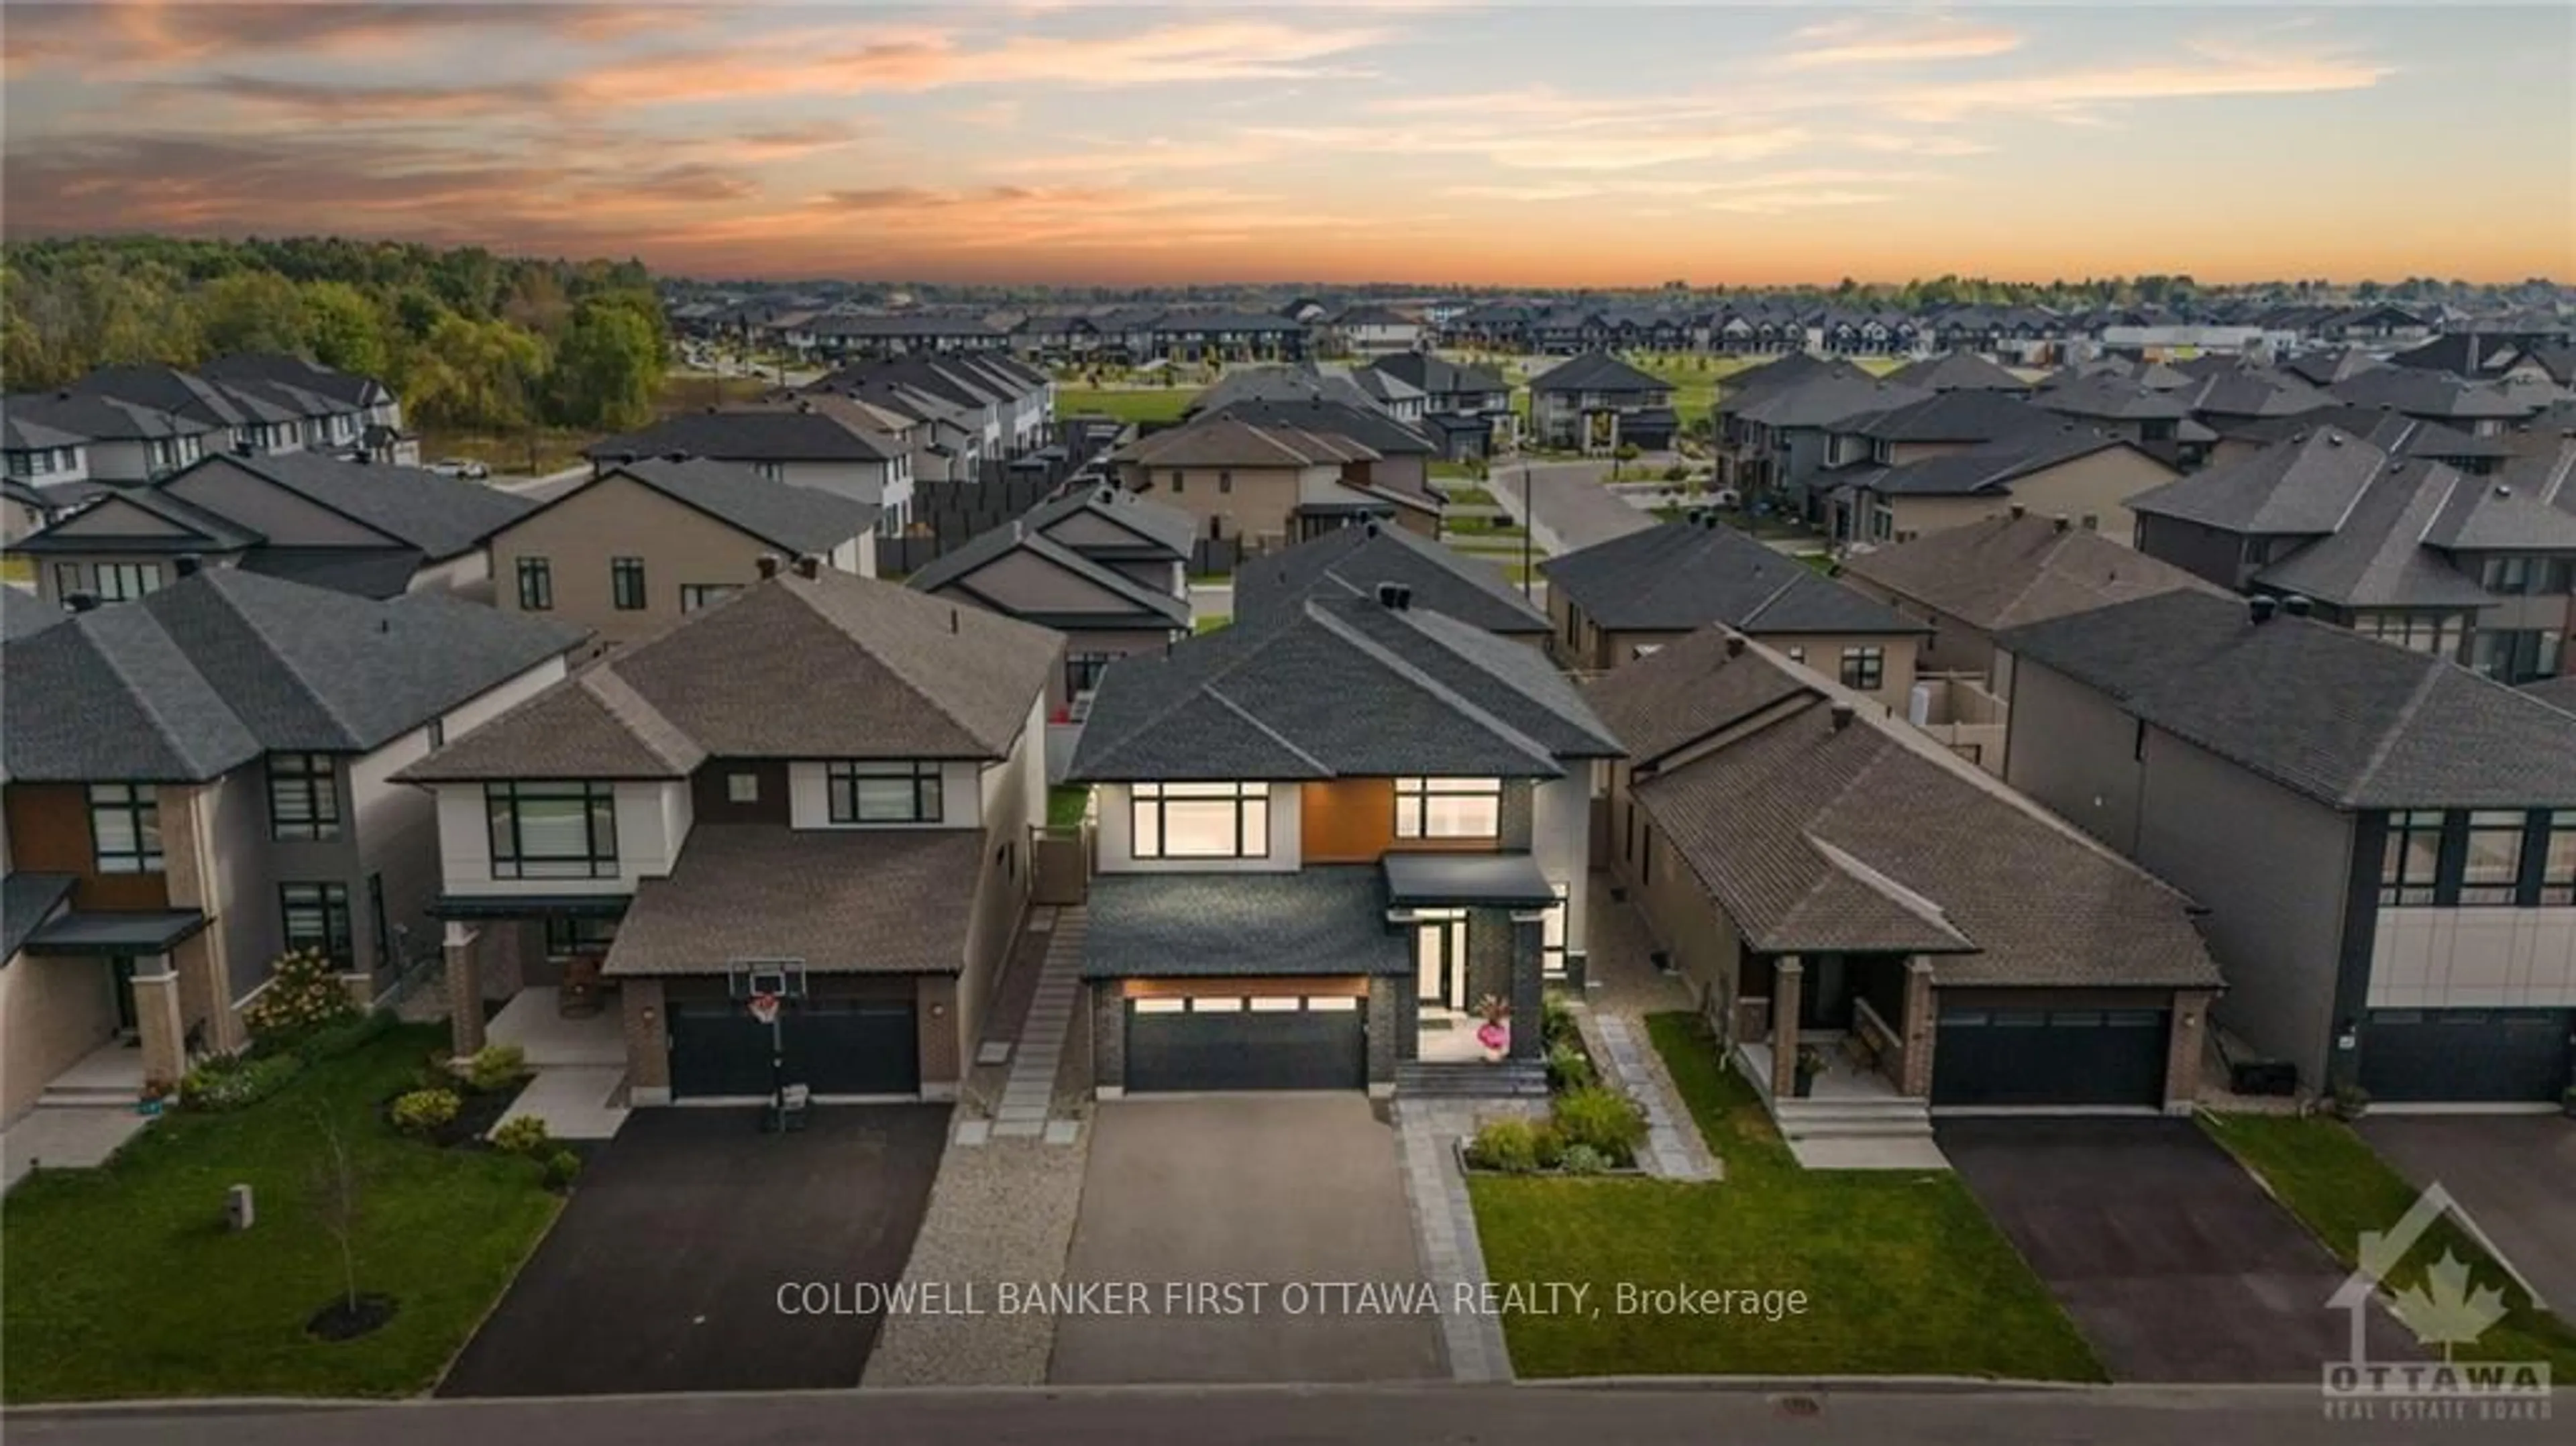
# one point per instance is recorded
(663, 1273)
(2514, 1174)
(1243, 1189)
(2174, 1264)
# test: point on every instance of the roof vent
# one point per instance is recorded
(1108, 495)
(2298, 607)
(2333, 439)
(189, 564)
(1843, 713)
(1394, 596)
(2060, 521)
(769, 564)
(2260, 609)
(2504, 489)
(1735, 645)
(809, 566)
(2019, 512)
(1369, 528)
(82, 602)
(675, 456)
(1696, 517)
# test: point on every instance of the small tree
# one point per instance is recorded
(305, 993)
(336, 1198)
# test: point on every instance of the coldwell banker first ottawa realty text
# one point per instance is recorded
(1287, 1298)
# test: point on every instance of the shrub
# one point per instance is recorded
(495, 1067)
(1678, 472)
(1582, 1160)
(334, 1040)
(1603, 1119)
(230, 1081)
(425, 1112)
(304, 994)
(560, 1168)
(522, 1135)
(1556, 1027)
(1510, 1145)
(1626, 452)
(1569, 1068)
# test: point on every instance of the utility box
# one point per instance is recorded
(239, 1209)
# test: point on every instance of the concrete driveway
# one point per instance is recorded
(664, 1271)
(2514, 1174)
(1235, 1190)
(2170, 1259)
(1573, 509)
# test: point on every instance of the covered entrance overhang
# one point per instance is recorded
(1467, 912)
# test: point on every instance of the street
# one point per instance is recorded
(1574, 509)
(1277, 1416)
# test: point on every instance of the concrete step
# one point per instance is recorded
(1856, 1129)
(1515, 1080)
(73, 1097)
(1810, 1109)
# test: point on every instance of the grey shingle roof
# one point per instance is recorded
(2377, 557)
(1367, 427)
(1321, 921)
(1597, 371)
(2322, 710)
(1958, 416)
(1826, 400)
(1225, 440)
(832, 666)
(2559, 693)
(1689, 693)
(2005, 571)
(25, 901)
(1161, 530)
(1351, 562)
(781, 434)
(441, 516)
(2302, 487)
(798, 519)
(1149, 608)
(1298, 383)
(2427, 394)
(1953, 371)
(1335, 689)
(212, 671)
(376, 572)
(2112, 397)
(845, 901)
(1684, 575)
(102, 419)
(204, 530)
(1992, 467)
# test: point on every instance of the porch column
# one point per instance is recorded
(1917, 1030)
(1788, 981)
(2185, 1047)
(463, 954)
(160, 1021)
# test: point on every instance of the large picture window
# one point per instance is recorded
(303, 796)
(1200, 820)
(552, 830)
(897, 792)
(316, 917)
(2558, 869)
(125, 581)
(2407, 870)
(1448, 807)
(2491, 871)
(125, 828)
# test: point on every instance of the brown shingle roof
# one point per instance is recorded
(2004, 571)
(858, 901)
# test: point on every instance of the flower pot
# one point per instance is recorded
(1803, 1085)
(1495, 1040)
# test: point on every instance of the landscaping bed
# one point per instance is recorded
(124, 1281)
(1902, 1273)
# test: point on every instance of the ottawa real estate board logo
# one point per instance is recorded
(2449, 1306)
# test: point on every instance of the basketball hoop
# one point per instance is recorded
(764, 1007)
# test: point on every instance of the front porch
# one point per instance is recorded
(1839, 1048)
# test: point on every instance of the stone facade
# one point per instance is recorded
(462, 955)
(1108, 1040)
(2185, 1046)
(648, 1054)
(1388, 999)
(1919, 1030)
(1519, 826)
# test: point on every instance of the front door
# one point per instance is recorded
(120, 984)
(1824, 1001)
(1440, 959)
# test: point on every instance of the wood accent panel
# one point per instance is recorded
(1352, 987)
(49, 834)
(1352, 821)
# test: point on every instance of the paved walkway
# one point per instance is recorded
(59, 1137)
(1674, 1149)
(580, 1064)
(1444, 1227)
(577, 1101)
(1029, 1093)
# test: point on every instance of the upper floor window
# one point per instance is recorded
(125, 828)
(774, 471)
(1864, 669)
(2408, 869)
(1176, 483)
(2544, 576)
(2558, 868)
(626, 583)
(881, 792)
(536, 585)
(2491, 870)
(1200, 820)
(1082, 671)
(316, 917)
(552, 830)
(303, 796)
(123, 581)
(1448, 807)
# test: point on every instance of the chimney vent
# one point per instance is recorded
(187, 564)
(82, 602)
(769, 564)
(809, 566)
(1735, 645)
(1108, 495)
(1394, 596)
(1369, 528)
(2260, 609)
(952, 620)
(2019, 512)
(2060, 521)
(1843, 713)
(2298, 607)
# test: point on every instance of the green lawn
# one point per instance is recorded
(534, 452)
(1128, 404)
(1470, 497)
(1066, 803)
(1478, 526)
(1206, 624)
(123, 1281)
(2339, 1187)
(1903, 1273)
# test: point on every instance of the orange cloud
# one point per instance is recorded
(2217, 71)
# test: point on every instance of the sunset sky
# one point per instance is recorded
(1550, 144)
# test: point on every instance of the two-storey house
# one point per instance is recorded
(1326, 839)
(119, 443)
(2385, 842)
(202, 780)
(1262, 476)
(819, 791)
(803, 446)
(1468, 409)
(1596, 403)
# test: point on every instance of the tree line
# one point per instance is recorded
(466, 338)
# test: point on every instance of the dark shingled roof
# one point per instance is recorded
(797, 519)
(763, 435)
(1352, 561)
(1160, 530)
(1684, 575)
(832, 666)
(1954, 371)
(26, 899)
(1597, 371)
(2378, 557)
(1319, 921)
(1438, 879)
(1147, 607)
(841, 901)
(1333, 689)
(206, 674)
(2302, 487)
(1958, 416)
(2001, 572)
(1690, 693)
(441, 516)
(1992, 467)
(2322, 710)
(2559, 693)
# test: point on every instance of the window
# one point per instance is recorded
(1176, 484)
(696, 595)
(772, 471)
(626, 584)
(1082, 671)
(316, 918)
(121, 581)
(2558, 867)
(1864, 668)
(1200, 820)
(2414, 857)
(536, 585)
(897, 792)
(2491, 871)
(125, 828)
(1448, 807)
(1552, 934)
(1798, 655)
(1225, 482)
(67, 579)
(303, 796)
(552, 830)
(742, 788)
(437, 733)
(570, 935)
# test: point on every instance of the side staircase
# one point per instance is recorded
(1518, 1079)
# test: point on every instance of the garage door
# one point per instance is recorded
(2466, 1054)
(1235, 1043)
(2049, 1057)
(717, 1048)
(854, 1046)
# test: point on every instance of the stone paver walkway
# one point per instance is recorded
(1444, 1226)
(1030, 1090)
(1004, 1211)
(1674, 1149)
(56, 1137)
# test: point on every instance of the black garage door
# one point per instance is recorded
(833, 1047)
(2049, 1057)
(2466, 1054)
(1233, 1043)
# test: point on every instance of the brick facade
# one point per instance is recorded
(648, 1049)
